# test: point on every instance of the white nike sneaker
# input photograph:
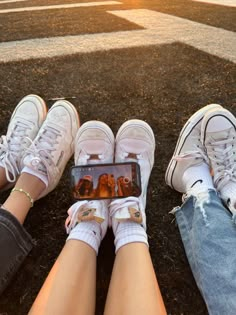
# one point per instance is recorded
(135, 142)
(189, 150)
(219, 139)
(23, 127)
(94, 144)
(54, 145)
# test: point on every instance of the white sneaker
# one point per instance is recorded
(54, 144)
(219, 138)
(189, 150)
(135, 142)
(94, 144)
(24, 125)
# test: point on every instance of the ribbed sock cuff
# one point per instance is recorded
(88, 232)
(42, 177)
(129, 232)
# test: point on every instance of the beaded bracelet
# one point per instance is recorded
(26, 193)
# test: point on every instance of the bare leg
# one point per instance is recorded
(134, 289)
(18, 203)
(70, 285)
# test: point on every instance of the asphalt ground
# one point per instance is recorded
(162, 84)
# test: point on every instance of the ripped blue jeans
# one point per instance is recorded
(208, 233)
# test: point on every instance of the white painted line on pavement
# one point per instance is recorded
(60, 6)
(10, 1)
(230, 3)
(160, 29)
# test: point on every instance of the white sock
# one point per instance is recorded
(129, 232)
(88, 232)
(198, 178)
(42, 177)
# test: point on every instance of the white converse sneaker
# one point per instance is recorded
(189, 150)
(94, 145)
(24, 125)
(219, 138)
(135, 142)
(54, 144)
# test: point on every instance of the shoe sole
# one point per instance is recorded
(186, 130)
(139, 123)
(42, 113)
(224, 113)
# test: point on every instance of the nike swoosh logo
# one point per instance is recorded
(199, 180)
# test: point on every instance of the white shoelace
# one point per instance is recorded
(42, 150)
(223, 160)
(11, 148)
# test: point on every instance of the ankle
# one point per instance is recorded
(88, 222)
(40, 176)
(33, 185)
(87, 232)
(129, 232)
(198, 178)
(18, 205)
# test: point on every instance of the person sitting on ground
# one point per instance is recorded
(33, 156)
(70, 285)
(206, 220)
